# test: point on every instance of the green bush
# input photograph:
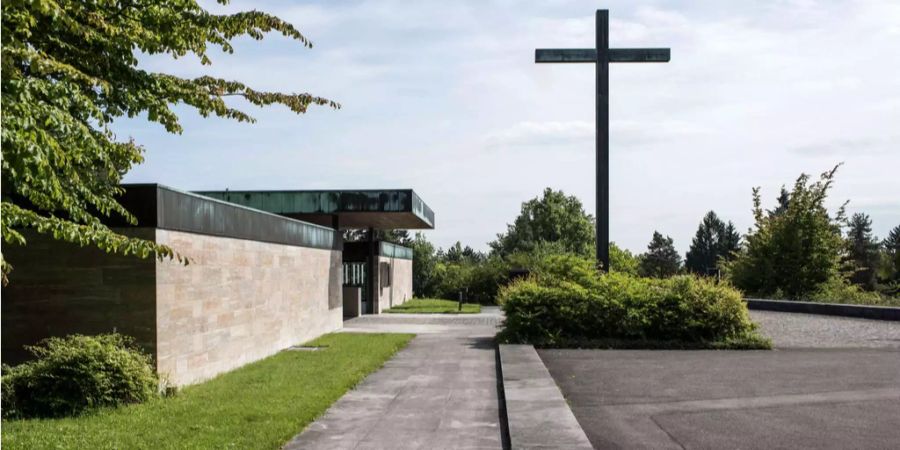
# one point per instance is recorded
(839, 290)
(73, 374)
(566, 302)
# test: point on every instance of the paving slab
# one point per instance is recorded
(440, 392)
(830, 383)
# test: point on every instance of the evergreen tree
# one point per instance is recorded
(454, 253)
(863, 251)
(784, 199)
(661, 259)
(713, 241)
(891, 247)
(730, 242)
(458, 254)
(472, 255)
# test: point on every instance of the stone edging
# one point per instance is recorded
(830, 309)
(537, 414)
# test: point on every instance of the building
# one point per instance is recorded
(267, 270)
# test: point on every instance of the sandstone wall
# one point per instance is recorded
(240, 301)
(400, 289)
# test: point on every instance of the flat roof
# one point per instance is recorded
(159, 206)
(377, 208)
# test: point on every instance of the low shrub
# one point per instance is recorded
(839, 290)
(73, 374)
(836, 290)
(566, 302)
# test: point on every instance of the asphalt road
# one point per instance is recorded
(830, 383)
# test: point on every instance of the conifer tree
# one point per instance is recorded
(863, 251)
(891, 247)
(661, 259)
(713, 241)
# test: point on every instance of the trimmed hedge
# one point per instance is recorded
(74, 374)
(566, 302)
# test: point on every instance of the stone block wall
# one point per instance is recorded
(240, 301)
(400, 289)
(57, 289)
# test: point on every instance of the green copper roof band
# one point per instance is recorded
(170, 209)
(391, 250)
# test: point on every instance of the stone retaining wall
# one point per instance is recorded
(238, 301)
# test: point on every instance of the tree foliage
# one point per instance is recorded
(459, 254)
(555, 218)
(793, 252)
(863, 251)
(623, 261)
(661, 259)
(714, 241)
(891, 246)
(424, 263)
(70, 68)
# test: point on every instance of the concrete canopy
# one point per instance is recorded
(353, 209)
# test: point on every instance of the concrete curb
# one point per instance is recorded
(537, 414)
(829, 309)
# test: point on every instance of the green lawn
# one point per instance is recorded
(261, 405)
(434, 306)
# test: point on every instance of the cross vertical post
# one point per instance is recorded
(602, 55)
(602, 168)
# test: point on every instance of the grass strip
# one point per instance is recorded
(434, 306)
(260, 405)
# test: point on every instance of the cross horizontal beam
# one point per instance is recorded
(589, 55)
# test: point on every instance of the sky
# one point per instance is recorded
(445, 98)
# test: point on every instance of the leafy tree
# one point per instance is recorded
(623, 261)
(863, 251)
(793, 253)
(714, 241)
(69, 70)
(661, 259)
(424, 264)
(551, 218)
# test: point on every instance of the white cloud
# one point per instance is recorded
(542, 133)
(444, 97)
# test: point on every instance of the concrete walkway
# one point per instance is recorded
(440, 392)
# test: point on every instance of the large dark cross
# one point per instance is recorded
(602, 55)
